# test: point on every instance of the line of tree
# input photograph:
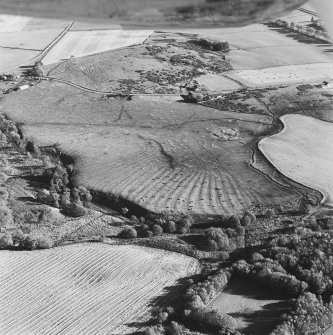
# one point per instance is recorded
(305, 30)
(271, 274)
(18, 240)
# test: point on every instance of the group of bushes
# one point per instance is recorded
(210, 44)
(200, 294)
(19, 240)
(61, 194)
(11, 133)
(154, 226)
(320, 224)
(308, 255)
(234, 221)
(6, 216)
(225, 239)
(194, 314)
(231, 235)
(310, 316)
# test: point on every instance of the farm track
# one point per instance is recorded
(90, 289)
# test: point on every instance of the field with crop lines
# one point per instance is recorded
(84, 289)
(303, 152)
(155, 152)
(164, 170)
(83, 43)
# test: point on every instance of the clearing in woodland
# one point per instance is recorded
(86, 288)
(256, 309)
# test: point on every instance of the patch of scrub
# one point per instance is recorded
(303, 151)
(224, 133)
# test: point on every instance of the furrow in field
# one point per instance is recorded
(180, 198)
(194, 194)
(165, 184)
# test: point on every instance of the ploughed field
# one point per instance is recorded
(86, 288)
(303, 151)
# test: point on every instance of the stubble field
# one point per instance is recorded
(303, 152)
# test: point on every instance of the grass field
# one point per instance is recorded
(303, 152)
(86, 288)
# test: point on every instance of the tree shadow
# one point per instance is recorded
(264, 321)
(199, 241)
(172, 296)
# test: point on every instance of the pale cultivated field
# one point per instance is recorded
(29, 39)
(217, 83)
(10, 59)
(84, 289)
(303, 151)
(83, 43)
(12, 23)
(17, 23)
(284, 75)
(23, 38)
